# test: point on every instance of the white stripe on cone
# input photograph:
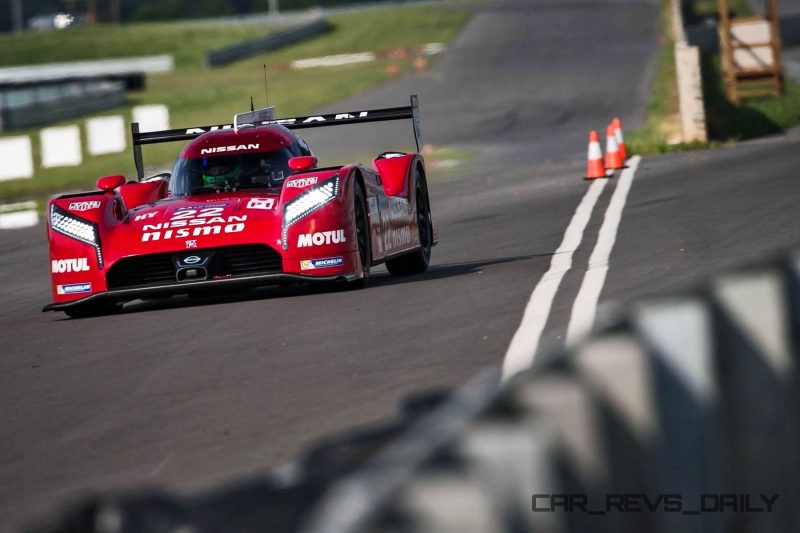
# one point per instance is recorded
(618, 136)
(594, 151)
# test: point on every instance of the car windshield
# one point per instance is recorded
(229, 172)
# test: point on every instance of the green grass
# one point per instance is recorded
(196, 95)
(750, 118)
(662, 121)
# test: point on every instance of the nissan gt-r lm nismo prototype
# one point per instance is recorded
(245, 205)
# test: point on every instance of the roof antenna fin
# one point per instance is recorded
(252, 107)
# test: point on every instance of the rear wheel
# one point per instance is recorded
(417, 261)
(88, 310)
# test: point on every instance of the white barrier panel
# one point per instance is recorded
(18, 215)
(690, 93)
(333, 61)
(91, 69)
(106, 135)
(151, 117)
(61, 146)
(17, 158)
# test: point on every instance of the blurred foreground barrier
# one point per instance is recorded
(275, 41)
(679, 415)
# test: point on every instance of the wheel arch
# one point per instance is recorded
(357, 178)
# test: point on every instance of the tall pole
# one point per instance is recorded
(273, 7)
(91, 12)
(16, 15)
(114, 11)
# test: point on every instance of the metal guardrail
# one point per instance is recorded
(35, 113)
(694, 396)
(230, 54)
(101, 68)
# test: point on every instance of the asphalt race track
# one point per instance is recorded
(189, 393)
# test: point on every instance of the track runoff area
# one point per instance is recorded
(616, 166)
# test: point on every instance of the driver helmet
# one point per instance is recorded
(217, 171)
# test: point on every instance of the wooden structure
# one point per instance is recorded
(751, 53)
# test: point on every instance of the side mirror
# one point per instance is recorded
(303, 162)
(109, 183)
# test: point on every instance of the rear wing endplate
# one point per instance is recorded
(293, 123)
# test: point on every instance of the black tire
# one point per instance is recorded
(362, 234)
(89, 310)
(417, 262)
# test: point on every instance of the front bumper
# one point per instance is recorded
(189, 287)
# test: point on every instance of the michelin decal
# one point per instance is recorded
(74, 288)
(327, 262)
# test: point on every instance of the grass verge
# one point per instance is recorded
(662, 127)
(727, 122)
(196, 95)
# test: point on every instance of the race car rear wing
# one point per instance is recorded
(293, 123)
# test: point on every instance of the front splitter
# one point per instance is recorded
(189, 287)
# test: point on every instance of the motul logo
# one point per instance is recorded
(320, 238)
(60, 266)
(233, 148)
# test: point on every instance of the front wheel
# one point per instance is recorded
(362, 235)
(364, 250)
(417, 262)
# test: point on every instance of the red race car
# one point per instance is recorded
(245, 205)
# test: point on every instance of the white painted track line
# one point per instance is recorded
(585, 306)
(522, 350)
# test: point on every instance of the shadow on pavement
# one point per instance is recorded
(378, 279)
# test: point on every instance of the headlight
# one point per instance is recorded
(76, 228)
(308, 202)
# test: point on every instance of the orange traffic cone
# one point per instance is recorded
(613, 157)
(623, 150)
(595, 167)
